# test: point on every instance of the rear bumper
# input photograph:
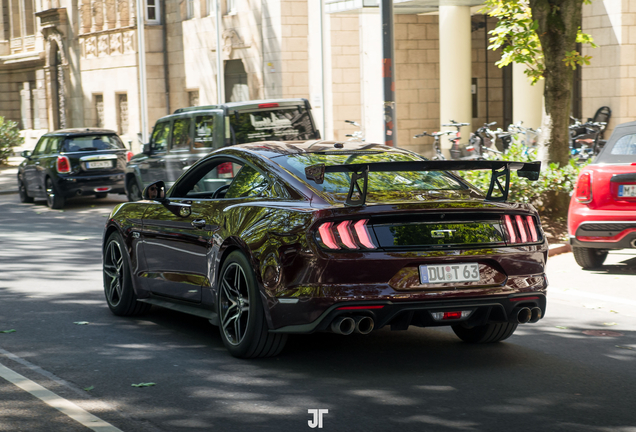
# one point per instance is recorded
(90, 185)
(399, 315)
(605, 234)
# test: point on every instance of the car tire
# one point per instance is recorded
(132, 190)
(24, 196)
(54, 199)
(487, 333)
(101, 195)
(589, 258)
(242, 321)
(118, 289)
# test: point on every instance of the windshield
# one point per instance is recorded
(91, 142)
(382, 186)
(277, 124)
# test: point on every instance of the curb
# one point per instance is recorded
(558, 249)
(8, 192)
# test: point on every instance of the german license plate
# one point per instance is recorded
(627, 190)
(449, 273)
(99, 164)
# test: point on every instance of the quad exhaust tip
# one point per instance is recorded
(536, 315)
(343, 325)
(524, 315)
(364, 324)
(633, 243)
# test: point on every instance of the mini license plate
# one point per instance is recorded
(99, 164)
(627, 190)
(449, 273)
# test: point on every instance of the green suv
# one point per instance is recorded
(180, 139)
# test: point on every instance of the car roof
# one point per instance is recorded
(273, 149)
(251, 104)
(81, 131)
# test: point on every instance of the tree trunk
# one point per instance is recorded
(558, 22)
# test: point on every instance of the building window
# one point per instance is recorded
(189, 9)
(152, 12)
(99, 110)
(230, 6)
(209, 7)
(193, 98)
(236, 88)
(122, 114)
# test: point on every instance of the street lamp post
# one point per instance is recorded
(388, 73)
(141, 51)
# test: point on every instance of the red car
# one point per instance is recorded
(602, 213)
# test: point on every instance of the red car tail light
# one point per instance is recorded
(345, 235)
(345, 238)
(129, 156)
(363, 234)
(583, 192)
(63, 165)
(521, 229)
(268, 105)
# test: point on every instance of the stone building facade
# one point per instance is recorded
(75, 63)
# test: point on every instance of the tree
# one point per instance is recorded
(9, 137)
(543, 34)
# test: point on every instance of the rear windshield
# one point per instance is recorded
(91, 143)
(623, 150)
(402, 185)
(272, 124)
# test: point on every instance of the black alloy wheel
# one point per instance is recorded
(24, 196)
(54, 199)
(487, 333)
(242, 321)
(132, 190)
(118, 289)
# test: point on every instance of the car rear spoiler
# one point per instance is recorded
(529, 170)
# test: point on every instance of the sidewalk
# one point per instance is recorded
(8, 176)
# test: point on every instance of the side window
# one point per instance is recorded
(40, 147)
(210, 181)
(203, 131)
(181, 134)
(53, 145)
(247, 183)
(159, 139)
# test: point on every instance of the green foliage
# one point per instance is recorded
(9, 137)
(516, 35)
(552, 178)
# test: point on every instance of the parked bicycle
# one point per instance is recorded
(456, 150)
(436, 135)
(481, 142)
(585, 139)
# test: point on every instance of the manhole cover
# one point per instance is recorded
(602, 333)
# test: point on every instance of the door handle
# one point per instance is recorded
(198, 223)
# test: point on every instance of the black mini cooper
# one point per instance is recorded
(73, 162)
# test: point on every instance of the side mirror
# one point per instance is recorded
(146, 149)
(26, 154)
(155, 191)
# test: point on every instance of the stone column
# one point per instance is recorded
(527, 100)
(111, 14)
(98, 15)
(86, 16)
(371, 77)
(123, 9)
(25, 106)
(455, 63)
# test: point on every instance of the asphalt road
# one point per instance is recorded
(573, 371)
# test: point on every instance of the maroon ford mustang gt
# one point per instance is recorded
(272, 238)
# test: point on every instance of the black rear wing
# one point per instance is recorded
(529, 170)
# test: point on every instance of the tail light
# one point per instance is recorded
(268, 105)
(129, 156)
(583, 192)
(340, 235)
(63, 165)
(225, 170)
(521, 229)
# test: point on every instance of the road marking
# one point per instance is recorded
(594, 296)
(64, 406)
